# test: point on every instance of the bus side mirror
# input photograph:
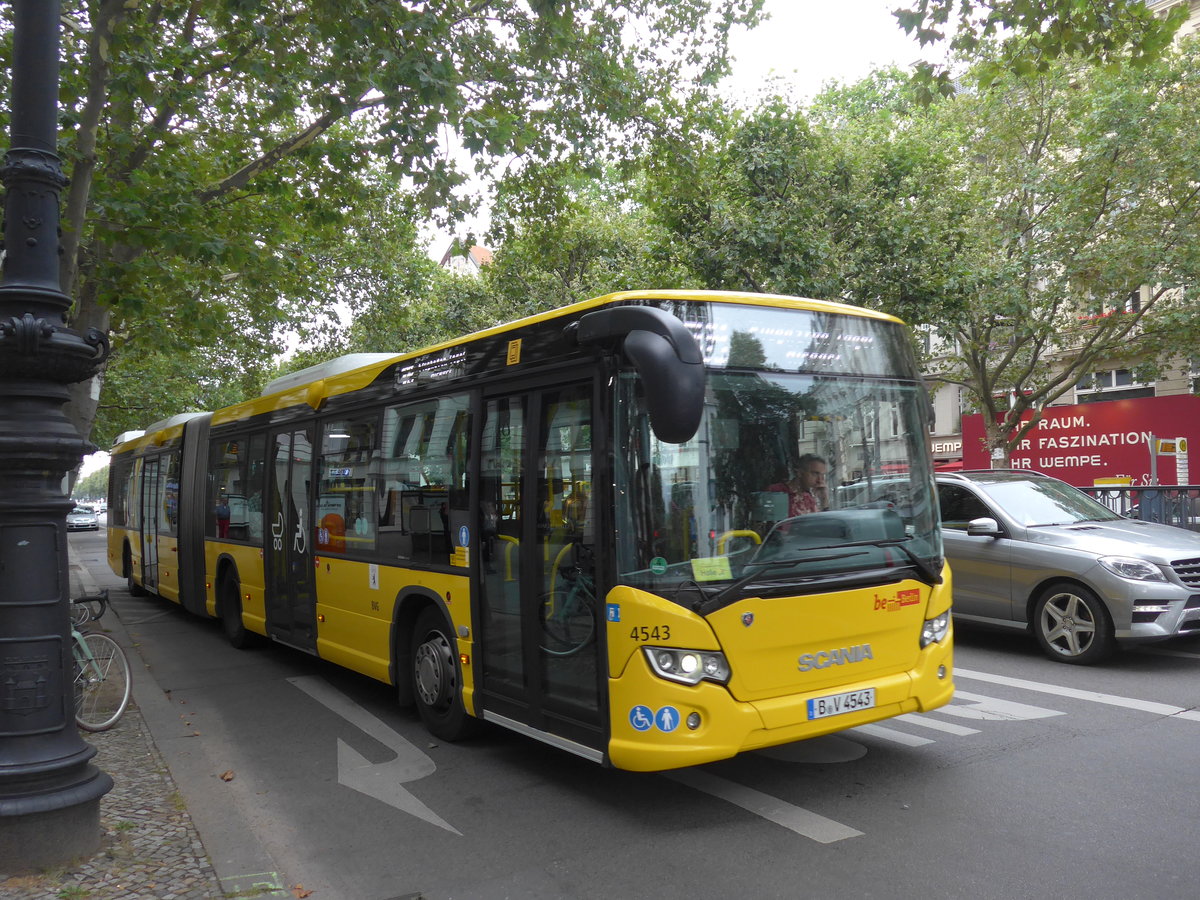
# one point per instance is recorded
(667, 360)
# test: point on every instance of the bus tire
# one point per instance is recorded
(135, 589)
(230, 610)
(437, 679)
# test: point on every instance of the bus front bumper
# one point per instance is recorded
(658, 724)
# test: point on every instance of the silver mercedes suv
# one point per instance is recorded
(1029, 551)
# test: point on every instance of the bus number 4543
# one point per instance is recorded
(647, 633)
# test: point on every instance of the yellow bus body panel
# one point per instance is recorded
(249, 563)
(356, 604)
(168, 568)
(766, 701)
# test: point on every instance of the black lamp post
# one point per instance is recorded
(49, 791)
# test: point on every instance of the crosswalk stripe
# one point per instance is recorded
(891, 734)
(936, 724)
(1161, 709)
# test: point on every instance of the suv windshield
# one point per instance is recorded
(1045, 501)
(792, 479)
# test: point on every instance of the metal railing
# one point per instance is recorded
(1176, 504)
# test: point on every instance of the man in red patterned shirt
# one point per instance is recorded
(806, 489)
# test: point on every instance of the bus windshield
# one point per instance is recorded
(793, 480)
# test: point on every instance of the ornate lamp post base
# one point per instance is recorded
(49, 790)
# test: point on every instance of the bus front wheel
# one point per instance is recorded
(437, 684)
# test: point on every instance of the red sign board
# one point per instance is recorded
(1096, 440)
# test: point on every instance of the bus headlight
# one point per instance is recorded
(688, 666)
(935, 629)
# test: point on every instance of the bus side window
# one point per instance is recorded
(346, 519)
(421, 480)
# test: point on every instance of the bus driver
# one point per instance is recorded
(806, 488)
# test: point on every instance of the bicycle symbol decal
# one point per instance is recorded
(641, 718)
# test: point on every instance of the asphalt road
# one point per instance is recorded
(1039, 780)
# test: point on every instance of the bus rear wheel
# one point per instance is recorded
(437, 682)
(231, 615)
(135, 589)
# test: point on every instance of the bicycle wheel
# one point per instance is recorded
(568, 623)
(102, 681)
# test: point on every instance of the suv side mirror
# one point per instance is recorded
(984, 527)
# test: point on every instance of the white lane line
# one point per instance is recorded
(891, 734)
(936, 724)
(794, 818)
(1150, 706)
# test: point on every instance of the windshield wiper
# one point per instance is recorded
(932, 576)
(718, 600)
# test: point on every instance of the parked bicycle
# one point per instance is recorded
(102, 676)
(568, 611)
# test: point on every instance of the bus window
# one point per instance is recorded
(169, 523)
(225, 517)
(253, 506)
(421, 479)
(346, 517)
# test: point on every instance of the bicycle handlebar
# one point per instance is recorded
(97, 604)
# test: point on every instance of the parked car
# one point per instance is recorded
(82, 518)
(1029, 551)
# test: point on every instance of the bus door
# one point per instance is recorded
(148, 533)
(287, 548)
(541, 626)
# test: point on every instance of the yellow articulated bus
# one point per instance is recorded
(655, 529)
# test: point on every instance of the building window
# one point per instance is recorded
(1111, 384)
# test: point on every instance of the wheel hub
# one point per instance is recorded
(431, 670)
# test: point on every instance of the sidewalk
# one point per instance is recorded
(151, 848)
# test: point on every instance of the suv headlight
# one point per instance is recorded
(1132, 567)
(935, 629)
(688, 666)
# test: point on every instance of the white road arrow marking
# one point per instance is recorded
(994, 709)
(383, 781)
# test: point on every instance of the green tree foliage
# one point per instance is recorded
(1015, 222)
(843, 202)
(223, 153)
(94, 485)
(1085, 232)
(1033, 34)
(562, 236)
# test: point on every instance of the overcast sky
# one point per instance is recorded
(810, 42)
